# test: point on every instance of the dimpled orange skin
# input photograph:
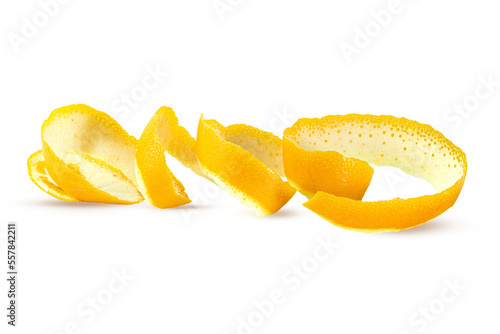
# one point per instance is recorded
(238, 171)
(328, 171)
(437, 159)
(68, 177)
(264, 145)
(383, 216)
(157, 183)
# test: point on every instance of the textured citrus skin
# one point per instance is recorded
(90, 156)
(328, 171)
(383, 216)
(37, 170)
(176, 140)
(262, 144)
(230, 157)
(156, 182)
(417, 149)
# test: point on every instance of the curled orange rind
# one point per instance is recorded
(415, 148)
(88, 156)
(311, 170)
(157, 183)
(245, 161)
(37, 170)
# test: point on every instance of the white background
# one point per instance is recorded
(199, 268)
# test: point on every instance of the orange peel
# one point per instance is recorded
(88, 156)
(37, 170)
(415, 148)
(310, 171)
(245, 161)
(156, 182)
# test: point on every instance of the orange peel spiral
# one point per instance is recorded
(87, 156)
